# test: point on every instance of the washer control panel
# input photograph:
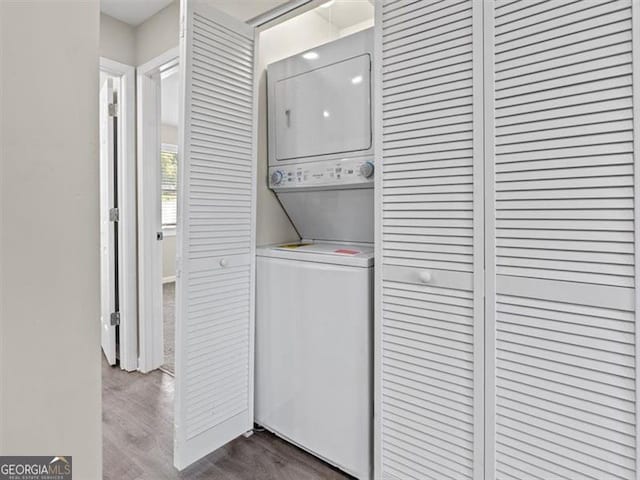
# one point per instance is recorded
(328, 173)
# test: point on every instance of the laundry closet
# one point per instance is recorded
(300, 258)
(456, 294)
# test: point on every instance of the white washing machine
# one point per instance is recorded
(314, 350)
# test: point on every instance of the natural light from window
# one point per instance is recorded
(169, 184)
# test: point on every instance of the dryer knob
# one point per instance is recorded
(276, 177)
(366, 169)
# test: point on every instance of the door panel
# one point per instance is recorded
(558, 248)
(108, 283)
(430, 324)
(561, 282)
(216, 236)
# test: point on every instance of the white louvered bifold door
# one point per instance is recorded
(216, 202)
(429, 322)
(560, 236)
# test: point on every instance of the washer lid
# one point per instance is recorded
(322, 252)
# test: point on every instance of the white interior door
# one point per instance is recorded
(430, 325)
(150, 308)
(216, 233)
(107, 233)
(562, 199)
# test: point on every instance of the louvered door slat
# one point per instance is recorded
(561, 377)
(214, 325)
(430, 111)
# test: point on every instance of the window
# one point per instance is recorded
(169, 184)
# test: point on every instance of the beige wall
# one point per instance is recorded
(293, 36)
(137, 45)
(158, 34)
(117, 40)
(50, 399)
(356, 28)
(168, 257)
(169, 134)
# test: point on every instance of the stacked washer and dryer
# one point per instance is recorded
(314, 310)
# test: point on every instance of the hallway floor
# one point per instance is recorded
(169, 325)
(138, 439)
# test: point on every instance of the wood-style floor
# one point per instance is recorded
(138, 439)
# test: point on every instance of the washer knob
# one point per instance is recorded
(277, 177)
(366, 169)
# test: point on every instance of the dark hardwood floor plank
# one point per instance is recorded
(138, 439)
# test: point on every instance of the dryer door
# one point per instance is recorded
(324, 111)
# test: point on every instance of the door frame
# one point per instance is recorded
(376, 459)
(127, 212)
(635, 29)
(148, 79)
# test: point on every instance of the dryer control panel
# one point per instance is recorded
(327, 174)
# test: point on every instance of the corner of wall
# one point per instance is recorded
(158, 34)
(117, 40)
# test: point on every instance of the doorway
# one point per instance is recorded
(119, 317)
(169, 208)
(157, 82)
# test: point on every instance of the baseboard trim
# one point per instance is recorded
(170, 279)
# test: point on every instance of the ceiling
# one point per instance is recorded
(346, 13)
(135, 12)
(246, 9)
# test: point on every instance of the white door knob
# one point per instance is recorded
(223, 262)
(425, 276)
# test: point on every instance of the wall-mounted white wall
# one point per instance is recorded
(356, 27)
(158, 34)
(123, 43)
(169, 258)
(117, 40)
(50, 397)
(169, 134)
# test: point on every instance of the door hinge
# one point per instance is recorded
(113, 109)
(114, 215)
(115, 318)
